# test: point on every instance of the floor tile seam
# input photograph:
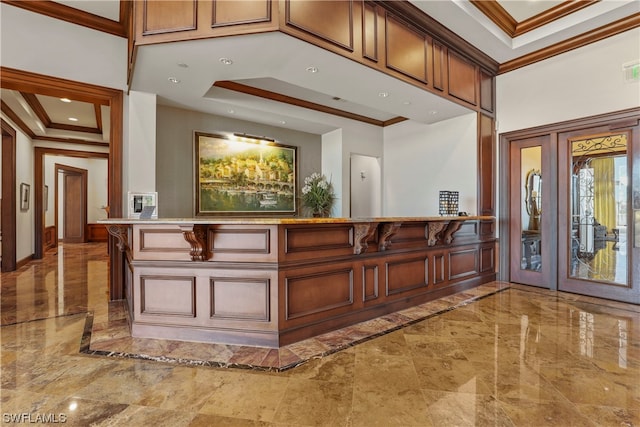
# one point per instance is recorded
(564, 296)
(86, 343)
(43, 318)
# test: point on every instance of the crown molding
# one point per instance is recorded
(79, 17)
(601, 33)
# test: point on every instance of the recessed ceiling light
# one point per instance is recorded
(65, 100)
(283, 122)
(312, 69)
(173, 80)
(433, 112)
(406, 103)
(226, 61)
(183, 65)
(231, 111)
(383, 94)
(73, 119)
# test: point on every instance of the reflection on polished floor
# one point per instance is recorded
(500, 354)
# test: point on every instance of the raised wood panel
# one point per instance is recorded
(487, 229)
(370, 32)
(487, 257)
(486, 91)
(173, 296)
(253, 241)
(486, 165)
(409, 233)
(369, 282)
(331, 21)
(50, 238)
(315, 293)
(318, 238)
(406, 49)
(240, 299)
(462, 78)
(406, 274)
(439, 66)
(162, 16)
(162, 240)
(463, 263)
(467, 230)
(439, 275)
(230, 12)
(97, 233)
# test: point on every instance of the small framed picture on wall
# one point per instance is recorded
(25, 195)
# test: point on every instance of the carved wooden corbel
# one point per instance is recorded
(432, 231)
(364, 232)
(452, 227)
(120, 233)
(196, 236)
(386, 233)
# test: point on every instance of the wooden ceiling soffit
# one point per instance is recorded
(416, 17)
(494, 11)
(79, 17)
(273, 96)
(601, 33)
(33, 136)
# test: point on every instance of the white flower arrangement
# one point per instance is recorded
(317, 194)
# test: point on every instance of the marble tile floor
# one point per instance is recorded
(499, 354)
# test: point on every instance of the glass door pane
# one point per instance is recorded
(598, 210)
(531, 208)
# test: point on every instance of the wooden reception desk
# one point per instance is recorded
(273, 281)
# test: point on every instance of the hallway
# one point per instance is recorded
(500, 354)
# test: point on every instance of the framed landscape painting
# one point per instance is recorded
(244, 176)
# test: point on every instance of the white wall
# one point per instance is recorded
(34, 42)
(24, 174)
(581, 83)
(140, 161)
(420, 160)
(332, 168)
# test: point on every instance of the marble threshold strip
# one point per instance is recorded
(395, 321)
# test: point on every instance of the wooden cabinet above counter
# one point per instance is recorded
(393, 37)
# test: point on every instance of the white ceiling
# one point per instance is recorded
(265, 61)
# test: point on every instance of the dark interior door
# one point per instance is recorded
(74, 207)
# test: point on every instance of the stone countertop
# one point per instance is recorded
(283, 220)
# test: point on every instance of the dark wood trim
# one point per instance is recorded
(267, 17)
(27, 130)
(273, 96)
(52, 86)
(497, 14)
(42, 114)
(37, 108)
(75, 16)
(552, 14)
(17, 120)
(325, 37)
(494, 11)
(394, 121)
(9, 197)
(601, 33)
(98, 112)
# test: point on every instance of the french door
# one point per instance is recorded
(574, 209)
(596, 228)
(532, 219)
